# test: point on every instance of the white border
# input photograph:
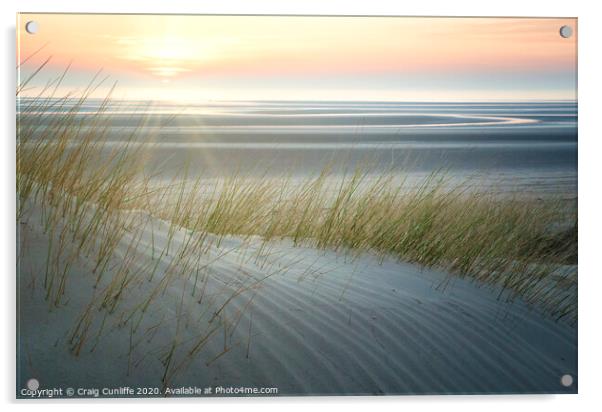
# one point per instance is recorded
(590, 174)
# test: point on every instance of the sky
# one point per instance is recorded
(201, 58)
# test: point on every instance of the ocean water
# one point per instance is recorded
(528, 147)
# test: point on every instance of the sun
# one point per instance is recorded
(169, 56)
(167, 48)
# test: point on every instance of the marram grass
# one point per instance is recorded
(520, 244)
(90, 194)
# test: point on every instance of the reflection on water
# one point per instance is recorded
(530, 146)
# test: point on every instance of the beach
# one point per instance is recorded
(518, 146)
(429, 250)
(287, 205)
(308, 323)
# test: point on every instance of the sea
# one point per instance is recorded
(527, 147)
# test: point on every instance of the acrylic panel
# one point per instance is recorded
(214, 205)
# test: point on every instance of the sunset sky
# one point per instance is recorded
(200, 58)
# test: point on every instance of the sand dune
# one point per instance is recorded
(295, 318)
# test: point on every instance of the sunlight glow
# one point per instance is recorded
(262, 57)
